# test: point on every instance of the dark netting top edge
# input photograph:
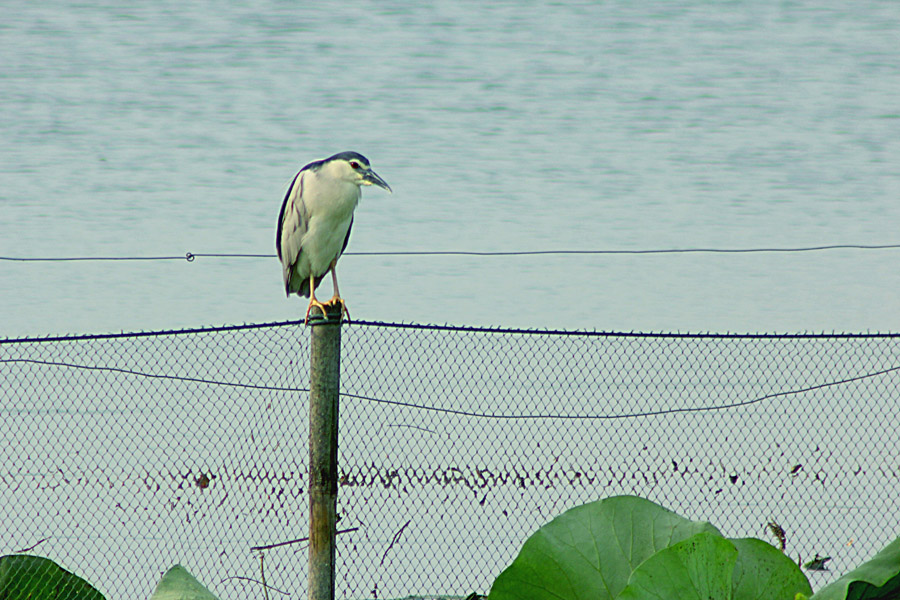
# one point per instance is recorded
(457, 328)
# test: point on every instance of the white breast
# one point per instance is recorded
(330, 204)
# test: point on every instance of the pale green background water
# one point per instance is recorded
(162, 128)
(167, 127)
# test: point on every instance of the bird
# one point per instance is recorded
(315, 222)
(817, 564)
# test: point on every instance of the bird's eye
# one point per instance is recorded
(354, 164)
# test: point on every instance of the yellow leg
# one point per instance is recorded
(313, 301)
(336, 299)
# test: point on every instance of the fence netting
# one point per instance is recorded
(123, 455)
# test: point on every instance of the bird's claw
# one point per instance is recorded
(324, 308)
(315, 303)
(345, 312)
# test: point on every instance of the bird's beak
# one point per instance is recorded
(372, 178)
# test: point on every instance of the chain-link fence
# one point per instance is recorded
(125, 454)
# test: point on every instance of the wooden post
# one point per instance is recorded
(324, 387)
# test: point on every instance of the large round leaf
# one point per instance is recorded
(698, 568)
(763, 572)
(876, 579)
(589, 552)
(179, 584)
(26, 577)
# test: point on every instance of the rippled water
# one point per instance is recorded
(165, 128)
(162, 128)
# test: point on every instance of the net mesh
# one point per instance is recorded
(125, 454)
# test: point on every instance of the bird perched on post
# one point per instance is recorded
(315, 221)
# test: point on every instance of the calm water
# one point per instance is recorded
(165, 128)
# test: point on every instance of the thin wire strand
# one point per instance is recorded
(464, 413)
(144, 374)
(652, 413)
(190, 256)
(650, 251)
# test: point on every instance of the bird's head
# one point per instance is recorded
(354, 168)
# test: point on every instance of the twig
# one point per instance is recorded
(30, 548)
(297, 541)
(250, 579)
(414, 427)
(262, 574)
(394, 541)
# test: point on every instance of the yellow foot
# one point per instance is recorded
(345, 312)
(315, 303)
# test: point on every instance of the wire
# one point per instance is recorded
(604, 334)
(144, 374)
(458, 328)
(652, 413)
(191, 256)
(464, 413)
(652, 251)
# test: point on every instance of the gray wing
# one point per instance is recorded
(292, 225)
(347, 237)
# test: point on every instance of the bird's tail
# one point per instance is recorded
(300, 285)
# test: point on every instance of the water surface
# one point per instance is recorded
(164, 128)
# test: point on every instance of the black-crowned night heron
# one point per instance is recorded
(315, 221)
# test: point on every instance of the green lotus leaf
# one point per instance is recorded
(698, 568)
(876, 579)
(763, 572)
(590, 552)
(178, 584)
(26, 577)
